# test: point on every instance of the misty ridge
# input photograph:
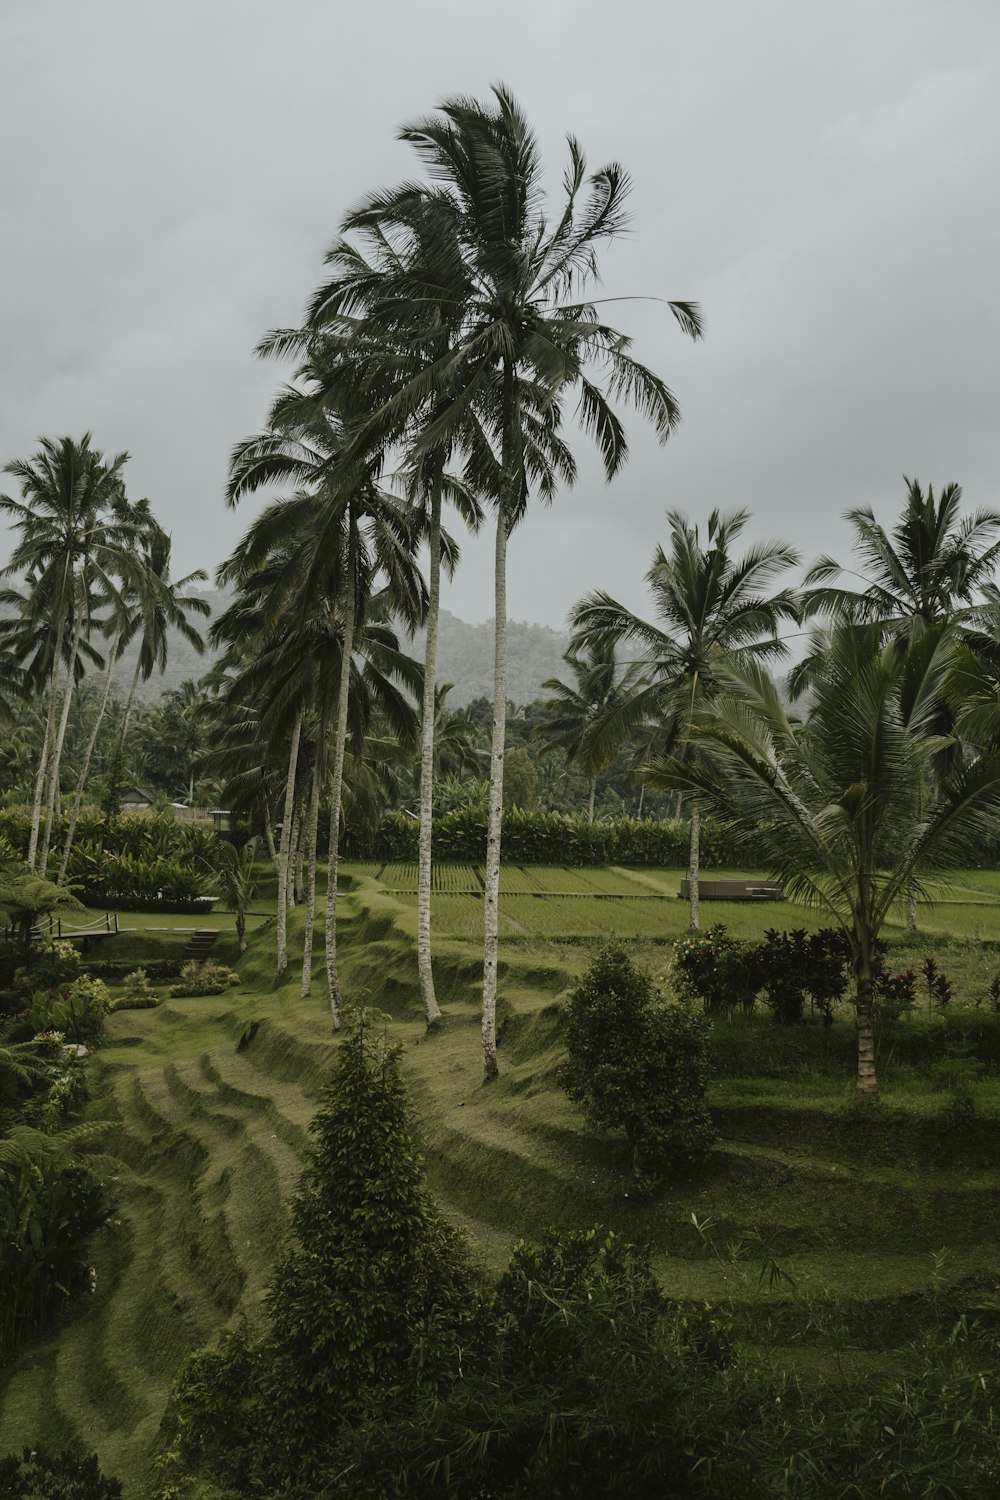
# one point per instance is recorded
(465, 657)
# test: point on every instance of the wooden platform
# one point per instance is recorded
(733, 890)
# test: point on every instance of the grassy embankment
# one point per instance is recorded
(214, 1096)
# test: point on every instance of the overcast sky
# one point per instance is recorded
(821, 175)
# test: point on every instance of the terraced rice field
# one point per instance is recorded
(212, 1122)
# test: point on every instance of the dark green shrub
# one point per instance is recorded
(576, 1387)
(719, 970)
(50, 1206)
(204, 978)
(795, 965)
(35, 1474)
(372, 1302)
(154, 968)
(638, 1065)
(51, 966)
(79, 1011)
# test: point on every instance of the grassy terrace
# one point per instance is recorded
(213, 1112)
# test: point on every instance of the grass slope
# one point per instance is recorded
(214, 1110)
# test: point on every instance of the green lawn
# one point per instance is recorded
(212, 1116)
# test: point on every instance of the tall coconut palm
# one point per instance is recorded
(834, 805)
(398, 293)
(714, 611)
(76, 535)
(521, 338)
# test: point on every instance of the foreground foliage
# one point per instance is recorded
(36, 1474)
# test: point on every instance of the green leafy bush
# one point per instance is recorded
(137, 987)
(578, 1384)
(52, 966)
(202, 977)
(36, 1474)
(373, 1301)
(716, 969)
(50, 1206)
(639, 1065)
(79, 1011)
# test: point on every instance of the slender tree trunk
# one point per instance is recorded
(127, 714)
(593, 794)
(313, 839)
(491, 897)
(694, 870)
(81, 784)
(50, 725)
(291, 882)
(337, 782)
(67, 704)
(302, 834)
(911, 905)
(867, 1086)
(642, 794)
(241, 931)
(285, 850)
(269, 837)
(432, 1011)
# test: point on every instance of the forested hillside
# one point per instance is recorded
(465, 658)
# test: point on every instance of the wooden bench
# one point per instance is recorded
(733, 890)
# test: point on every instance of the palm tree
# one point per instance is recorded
(391, 314)
(234, 872)
(929, 568)
(834, 805)
(340, 534)
(574, 712)
(74, 536)
(519, 339)
(158, 605)
(147, 601)
(714, 612)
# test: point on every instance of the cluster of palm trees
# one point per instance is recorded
(435, 365)
(878, 763)
(93, 575)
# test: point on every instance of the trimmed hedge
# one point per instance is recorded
(547, 838)
(156, 968)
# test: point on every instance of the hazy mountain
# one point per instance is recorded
(465, 657)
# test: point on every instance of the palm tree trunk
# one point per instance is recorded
(285, 850)
(491, 896)
(81, 783)
(593, 794)
(642, 794)
(50, 724)
(269, 837)
(867, 1084)
(337, 781)
(291, 880)
(694, 868)
(67, 704)
(313, 839)
(432, 1011)
(911, 905)
(127, 715)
